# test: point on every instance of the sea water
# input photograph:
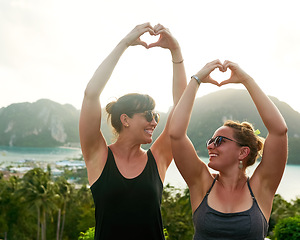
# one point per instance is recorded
(288, 188)
(17, 156)
(20, 156)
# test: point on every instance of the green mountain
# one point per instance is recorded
(40, 124)
(212, 110)
(47, 124)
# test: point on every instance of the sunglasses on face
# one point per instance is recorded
(150, 115)
(217, 141)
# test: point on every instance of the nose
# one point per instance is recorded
(210, 146)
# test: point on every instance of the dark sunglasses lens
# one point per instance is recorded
(218, 141)
(209, 141)
(149, 116)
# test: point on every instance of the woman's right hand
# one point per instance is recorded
(133, 38)
(204, 73)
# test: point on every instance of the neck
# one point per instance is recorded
(232, 181)
(126, 148)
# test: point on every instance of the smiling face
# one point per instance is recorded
(127, 105)
(141, 128)
(227, 154)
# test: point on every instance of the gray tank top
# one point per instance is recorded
(210, 224)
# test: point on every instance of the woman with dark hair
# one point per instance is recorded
(230, 205)
(126, 181)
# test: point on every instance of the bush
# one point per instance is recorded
(287, 229)
(88, 235)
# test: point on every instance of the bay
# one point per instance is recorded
(22, 158)
(288, 188)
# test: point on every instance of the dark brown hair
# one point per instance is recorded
(244, 133)
(129, 104)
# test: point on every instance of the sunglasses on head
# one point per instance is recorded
(217, 141)
(150, 115)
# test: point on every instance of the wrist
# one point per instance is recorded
(176, 54)
(196, 78)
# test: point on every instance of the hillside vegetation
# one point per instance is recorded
(48, 124)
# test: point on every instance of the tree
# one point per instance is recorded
(287, 229)
(38, 191)
(4, 202)
(62, 188)
(177, 213)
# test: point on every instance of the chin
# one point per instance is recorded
(150, 141)
(147, 141)
(212, 166)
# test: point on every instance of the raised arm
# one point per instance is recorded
(269, 172)
(190, 166)
(93, 144)
(162, 146)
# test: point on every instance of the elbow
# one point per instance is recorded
(90, 94)
(175, 134)
(282, 131)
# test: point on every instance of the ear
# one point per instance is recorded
(124, 120)
(245, 151)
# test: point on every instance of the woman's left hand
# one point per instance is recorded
(166, 40)
(238, 75)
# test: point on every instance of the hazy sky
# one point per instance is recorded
(51, 48)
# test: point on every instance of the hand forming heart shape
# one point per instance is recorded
(149, 39)
(220, 76)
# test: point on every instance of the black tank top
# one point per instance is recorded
(210, 224)
(128, 208)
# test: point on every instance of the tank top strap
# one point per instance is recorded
(149, 154)
(248, 183)
(216, 177)
(110, 157)
(109, 150)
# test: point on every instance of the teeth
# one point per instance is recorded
(149, 131)
(213, 155)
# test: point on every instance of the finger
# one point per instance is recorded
(212, 81)
(231, 65)
(151, 45)
(158, 27)
(224, 82)
(146, 27)
(139, 42)
(144, 44)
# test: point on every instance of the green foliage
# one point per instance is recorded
(287, 229)
(282, 210)
(177, 213)
(88, 235)
(21, 200)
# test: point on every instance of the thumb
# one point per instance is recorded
(156, 44)
(142, 43)
(224, 82)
